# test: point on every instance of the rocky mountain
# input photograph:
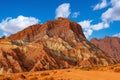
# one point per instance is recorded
(110, 45)
(57, 44)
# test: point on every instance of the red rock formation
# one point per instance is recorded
(110, 45)
(61, 27)
(56, 44)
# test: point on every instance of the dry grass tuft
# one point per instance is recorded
(22, 76)
(68, 71)
(88, 68)
(7, 78)
(117, 69)
(34, 78)
(45, 74)
(49, 78)
(54, 72)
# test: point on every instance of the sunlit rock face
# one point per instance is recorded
(57, 44)
(110, 45)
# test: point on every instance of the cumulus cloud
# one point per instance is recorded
(88, 27)
(13, 25)
(115, 2)
(101, 5)
(75, 14)
(63, 10)
(85, 23)
(113, 13)
(116, 35)
(100, 26)
(110, 15)
(88, 32)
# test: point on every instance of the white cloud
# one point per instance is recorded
(110, 15)
(115, 2)
(101, 5)
(13, 25)
(113, 13)
(100, 26)
(88, 32)
(63, 10)
(85, 23)
(88, 27)
(116, 35)
(75, 14)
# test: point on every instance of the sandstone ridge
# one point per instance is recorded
(110, 45)
(57, 44)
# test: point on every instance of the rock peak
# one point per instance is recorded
(54, 45)
(51, 28)
(61, 18)
(110, 45)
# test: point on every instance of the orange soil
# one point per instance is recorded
(64, 74)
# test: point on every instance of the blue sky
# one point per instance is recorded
(99, 18)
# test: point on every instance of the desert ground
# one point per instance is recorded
(86, 73)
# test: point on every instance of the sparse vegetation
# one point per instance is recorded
(22, 76)
(18, 42)
(45, 74)
(117, 69)
(34, 78)
(63, 74)
(86, 68)
(55, 72)
(49, 78)
(4, 37)
(68, 71)
(8, 78)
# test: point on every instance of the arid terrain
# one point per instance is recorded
(56, 44)
(55, 50)
(84, 73)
